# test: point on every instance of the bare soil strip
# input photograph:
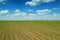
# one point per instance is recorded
(42, 34)
(28, 31)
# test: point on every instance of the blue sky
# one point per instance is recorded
(29, 9)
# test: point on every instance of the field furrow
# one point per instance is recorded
(30, 30)
(40, 35)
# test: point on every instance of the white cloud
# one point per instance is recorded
(55, 14)
(20, 15)
(23, 14)
(30, 10)
(3, 1)
(31, 3)
(4, 12)
(16, 15)
(17, 11)
(43, 12)
(37, 2)
(48, 0)
(32, 15)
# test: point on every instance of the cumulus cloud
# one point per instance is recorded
(55, 14)
(3, 1)
(16, 14)
(4, 12)
(30, 10)
(37, 2)
(20, 15)
(43, 12)
(32, 15)
(17, 11)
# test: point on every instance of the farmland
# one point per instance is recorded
(30, 30)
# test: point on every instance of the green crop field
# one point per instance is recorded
(30, 30)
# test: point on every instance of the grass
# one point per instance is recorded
(30, 30)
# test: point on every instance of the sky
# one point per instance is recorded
(29, 9)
